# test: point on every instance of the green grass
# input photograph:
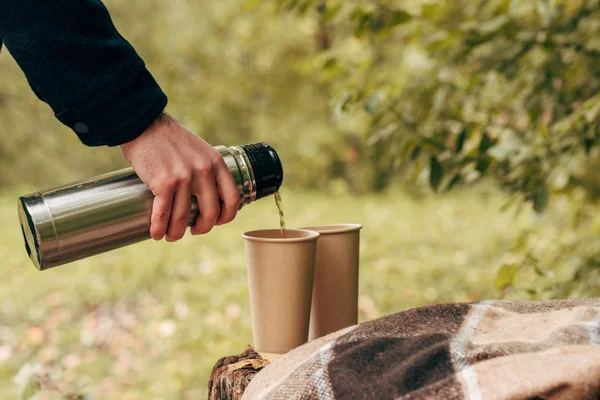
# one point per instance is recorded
(149, 321)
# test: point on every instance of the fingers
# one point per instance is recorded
(228, 193)
(159, 157)
(180, 211)
(205, 190)
(161, 211)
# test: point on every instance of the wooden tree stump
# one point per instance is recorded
(231, 375)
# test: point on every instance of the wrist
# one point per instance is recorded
(156, 126)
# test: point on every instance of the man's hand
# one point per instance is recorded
(176, 165)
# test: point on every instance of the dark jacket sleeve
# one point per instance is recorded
(76, 61)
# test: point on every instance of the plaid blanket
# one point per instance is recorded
(486, 350)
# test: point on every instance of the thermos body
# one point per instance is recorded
(113, 210)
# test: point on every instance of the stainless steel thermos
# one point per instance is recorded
(113, 210)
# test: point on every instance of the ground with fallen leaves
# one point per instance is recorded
(150, 321)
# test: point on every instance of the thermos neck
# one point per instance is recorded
(266, 168)
(258, 171)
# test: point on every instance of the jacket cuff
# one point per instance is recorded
(118, 114)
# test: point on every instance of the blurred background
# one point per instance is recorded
(462, 134)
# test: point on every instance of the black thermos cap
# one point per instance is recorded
(267, 168)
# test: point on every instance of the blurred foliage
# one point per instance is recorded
(366, 92)
(465, 89)
(448, 92)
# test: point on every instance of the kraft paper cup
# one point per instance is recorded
(280, 278)
(335, 288)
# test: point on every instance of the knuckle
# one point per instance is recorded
(203, 167)
(211, 215)
(183, 218)
(218, 161)
(166, 184)
(160, 216)
(169, 182)
(232, 200)
(183, 177)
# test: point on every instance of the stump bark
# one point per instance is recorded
(231, 375)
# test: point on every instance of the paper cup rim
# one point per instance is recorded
(310, 235)
(331, 229)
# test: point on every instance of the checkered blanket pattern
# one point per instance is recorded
(486, 350)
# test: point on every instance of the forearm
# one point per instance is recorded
(77, 62)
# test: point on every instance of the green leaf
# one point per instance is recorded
(493, 25)
(436, 173)
(372, 103)
(250, 5)
(506, 276)
(377, 23)
(543, 130)
(460, 141)
(521, 242)
(416, 152)
(332, 12)
(321, 7)
(532, 259)
(344, 102)
(406, 150)
(303, 7)
(400, 17)
(483, 164)
(455, 181)
(485, 143)
(32, 388)
(431, 10)
(541, 271)
(330, 63)
(363, 19)
(588, 144)
(358, 13)
(532, 292)
(540, 198)
(592, 111)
